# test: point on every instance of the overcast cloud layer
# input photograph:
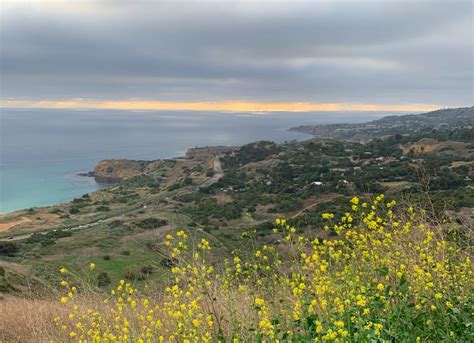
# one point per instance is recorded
(383, 52)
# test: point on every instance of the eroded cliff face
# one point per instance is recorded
(116, 170)
(199, 152)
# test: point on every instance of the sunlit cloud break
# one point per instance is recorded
(233, 106)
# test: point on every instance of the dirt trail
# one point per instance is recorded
(324, 198)
(218, 172)
(77, 227)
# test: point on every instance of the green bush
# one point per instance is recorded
(103, 279)
(151, 223)
(74, 210)
(8, 249)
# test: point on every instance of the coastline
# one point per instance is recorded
(22, 223)
(38, 169)
(71, 179)
(104, 182)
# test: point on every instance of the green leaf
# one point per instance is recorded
(403, 285)
(383, 271)
(311, 323)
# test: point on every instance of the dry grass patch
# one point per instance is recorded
(27, 320)
(9, 224)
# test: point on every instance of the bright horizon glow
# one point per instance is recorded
(231, 106)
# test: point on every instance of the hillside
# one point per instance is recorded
(221, 195)
(411, 124)
(366, 275)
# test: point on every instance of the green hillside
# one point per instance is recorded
(365, 286)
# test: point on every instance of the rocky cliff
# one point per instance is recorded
(115, 170)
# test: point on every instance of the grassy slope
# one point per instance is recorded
(129, 248)
(387, 272)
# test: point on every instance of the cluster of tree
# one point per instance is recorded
(209, 208)
(142, 180)
(459, 134)
(79, 203)
(48, 238)
(187, 181)
(8, 249)
(151, 223)
(252, 152)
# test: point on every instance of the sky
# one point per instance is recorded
(237, 55)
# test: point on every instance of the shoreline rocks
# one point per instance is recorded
(86, 174)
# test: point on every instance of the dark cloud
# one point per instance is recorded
(376, 52)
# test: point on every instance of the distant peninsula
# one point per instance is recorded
(393, 125)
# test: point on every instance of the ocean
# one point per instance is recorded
(41, 151)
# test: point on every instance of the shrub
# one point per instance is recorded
(387, 276)
(147, 270)
(47, 242)
(49, 238)
(151, 223)
(102, 208)
(130, 275)
(103, 279)
(74, 210)
(115, 223)
(55, 211)
(8, 249)
(175, 186)
(58, 234)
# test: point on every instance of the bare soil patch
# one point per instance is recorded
(8, 225)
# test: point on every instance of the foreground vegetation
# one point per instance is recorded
(378, 273)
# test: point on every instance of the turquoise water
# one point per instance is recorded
(42, 150)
